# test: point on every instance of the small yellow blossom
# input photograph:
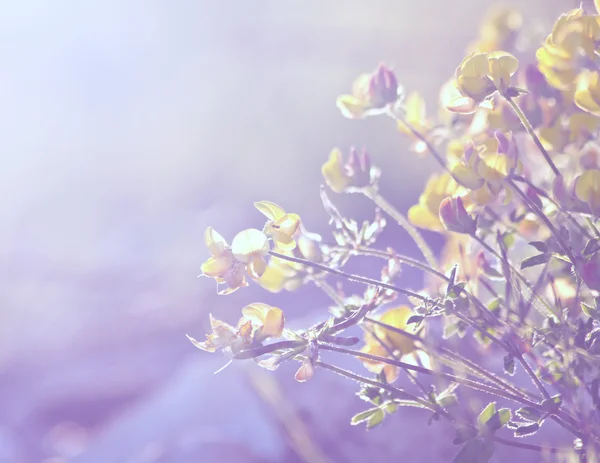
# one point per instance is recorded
(587, 189)
(401, 345)
(587, 94)
(483, 168)
(371, 94)
(499, 29)
(480, 75)
(222, 266)
(425, 214)
(283, 274)
(281, 225)
(269, 320)
(351, 176)
(225, 336)
(250, 247)
(569, 49)
(230, 264)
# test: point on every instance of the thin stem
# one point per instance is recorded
(349, 276)
(523, 118)
(521, 278)
(366, 251)
(544, 219)
(440, 351)
(395, 214)
(517, 353)
(399, 393)
(450, 377)
(522, 445)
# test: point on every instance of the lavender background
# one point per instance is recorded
(127, 127)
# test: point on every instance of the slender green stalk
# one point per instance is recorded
(395, 214)
(349, 276)
(398, 393)
(523, 118)
(450, 377)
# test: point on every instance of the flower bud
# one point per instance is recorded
(455, 218)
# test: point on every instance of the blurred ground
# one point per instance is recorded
(127, 128)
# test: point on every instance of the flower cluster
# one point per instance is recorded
(517, 201)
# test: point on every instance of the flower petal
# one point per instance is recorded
(249, 243)
(270, 209)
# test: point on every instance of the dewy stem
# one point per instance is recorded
(401, 220)
(450, 377)
(523, 118)
(350, 276)
(399, 393)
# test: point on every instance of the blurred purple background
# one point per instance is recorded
(128, 127)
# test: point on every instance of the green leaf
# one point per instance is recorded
(486, 414)
(540, 246)
(494, 304)
(529, 414)
(562, 257)
(451, 279)
(497, 420)
(509, 365)
(527, 430)
(478, 450)
(456, 290)
(508, 239)
(415, 319)
(590, 311)
(375, 419)
(391, 407)
(363, 416)
(535, 260)
(591, 246)
(464, 434)
(552, 404)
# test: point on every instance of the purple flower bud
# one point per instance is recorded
(383, 87)
(454, 216)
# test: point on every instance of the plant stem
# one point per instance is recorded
(544, 219)
(407, 366)
(521, 445)
(549, 311)
(401, 220)
(442, 351)
(521, 115)
(349, 276)
(399, 393)
(366, 251)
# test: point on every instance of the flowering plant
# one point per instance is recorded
(517, 198)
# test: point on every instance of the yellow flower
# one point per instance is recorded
(587, 189)
(569, 49)
(397, 318)
(283, 274)
(401, 345)
(222, 266)
(499, 29)
(250, 247)
(281, 226)
(267, 319)
(354, 175)
(425, 214)
(225, 336)
(371, 94)
(480, 75)
(587, 94)
(483, 168)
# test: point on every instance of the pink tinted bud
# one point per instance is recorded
(383, 87)
(590, 272)
(454, 216)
